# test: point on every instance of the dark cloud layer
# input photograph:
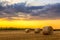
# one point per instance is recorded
(51, 11)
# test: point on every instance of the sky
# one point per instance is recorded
(34, 2)
(37, 14)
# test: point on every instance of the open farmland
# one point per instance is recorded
(22, 35)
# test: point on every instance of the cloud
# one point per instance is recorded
(21, 11)
(51, 11)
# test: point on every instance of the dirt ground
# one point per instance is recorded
(22, 35)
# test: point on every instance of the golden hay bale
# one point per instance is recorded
(37, 30)
(27, 30)
(47, 30)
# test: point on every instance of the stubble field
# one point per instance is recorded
(22, 35)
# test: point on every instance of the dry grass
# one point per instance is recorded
(21, 35)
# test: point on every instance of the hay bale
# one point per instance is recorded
(37, 30)
(47, 30)
(27, 30)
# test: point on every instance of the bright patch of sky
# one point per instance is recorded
(44, 2)
(34, 2)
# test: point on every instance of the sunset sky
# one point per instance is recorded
(30, 13)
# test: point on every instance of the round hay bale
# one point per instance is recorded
(27, 30)
(47, 30)
(37, 30)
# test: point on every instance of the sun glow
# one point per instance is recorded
(29, 23)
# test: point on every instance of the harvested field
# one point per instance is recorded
(21, 35)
